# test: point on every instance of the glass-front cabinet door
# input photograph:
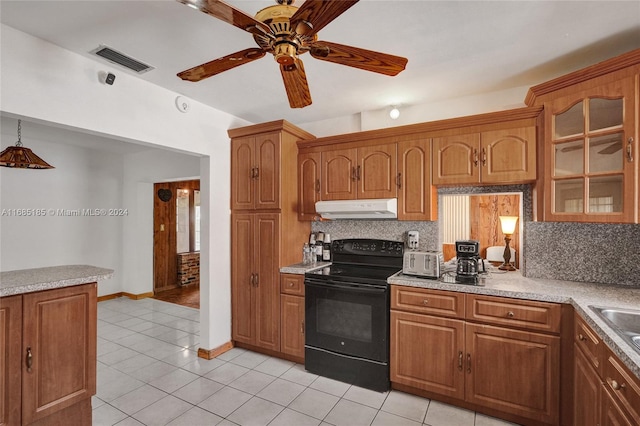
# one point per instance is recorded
(590, 155)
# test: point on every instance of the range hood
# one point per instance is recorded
(383, 208)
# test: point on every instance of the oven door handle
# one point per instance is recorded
(330, 284)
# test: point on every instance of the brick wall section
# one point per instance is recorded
(189, 268)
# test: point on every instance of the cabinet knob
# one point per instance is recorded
(302, 327)
(425, 302)
(630, 150)
(318, 185)
(510, 314)
(460, 356)
(469, 363)
(615, 385)
(290, 284)
(484, 157)
(581, 337)
(399, 180)
(475, 157)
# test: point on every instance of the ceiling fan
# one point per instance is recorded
(288, 31)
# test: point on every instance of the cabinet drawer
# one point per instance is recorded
(589, 342)
(527, 314)
(292, 284)
(434, 302)
(622, 385)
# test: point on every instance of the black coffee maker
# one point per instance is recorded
(470, 264)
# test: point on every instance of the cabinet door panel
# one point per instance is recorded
(59, 326)
(292, 309)
(376, 171)
(242, 164)
(242, 276)
(267, 287)
(427, 353)
(267, 181)
(513, 371)
(456, 159)
(612, 414)
(416, 196)
(338, 174)
(509, 155)
(587, 389)
(308, 185)
(10, 360)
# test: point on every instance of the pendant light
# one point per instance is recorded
(20, 157)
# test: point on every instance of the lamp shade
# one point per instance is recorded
(508, 224)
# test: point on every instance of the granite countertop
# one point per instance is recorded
(301, 268)
(579, 295)
(30, 280)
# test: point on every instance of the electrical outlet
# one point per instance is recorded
(413, 239)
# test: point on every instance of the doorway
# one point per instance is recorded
(176, 242)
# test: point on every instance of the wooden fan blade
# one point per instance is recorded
(221, 64)
(367, 60)
(314, 15)
(296, 85)
(611, 149)
(229, 14)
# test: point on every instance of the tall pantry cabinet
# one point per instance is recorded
(265, 231)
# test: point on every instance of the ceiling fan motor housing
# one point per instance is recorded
(285, 44)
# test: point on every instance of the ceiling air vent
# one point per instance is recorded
(121, 59)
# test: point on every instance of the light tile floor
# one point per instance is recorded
(149, 374)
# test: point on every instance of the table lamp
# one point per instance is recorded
(508, 225)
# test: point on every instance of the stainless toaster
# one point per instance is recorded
(428, 264)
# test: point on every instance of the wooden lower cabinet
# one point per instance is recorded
(587, 389)
(427, 353)
(513, 371)
(255, 301)
(504, 370)
(56, 363)
(292, 324)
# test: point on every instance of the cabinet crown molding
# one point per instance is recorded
(271, 126)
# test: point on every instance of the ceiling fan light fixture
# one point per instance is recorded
(285, 52)
(20, 157)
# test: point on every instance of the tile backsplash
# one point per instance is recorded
(584, 252)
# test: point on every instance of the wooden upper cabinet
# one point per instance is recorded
(255, 172)
(339, 174)
(364, 172)
(456, 159)
(376, 171)
(488, 157)
(508, 155)
(417, 198)
(589, 153)
(308, 184)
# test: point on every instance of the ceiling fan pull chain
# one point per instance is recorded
(630, 150)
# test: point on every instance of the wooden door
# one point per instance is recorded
(10, 360)
(165, 246)
(376, 172)
(508, 156)
(484, 213)
(417, 198)
(338, 174)
(267, 281)
(427, 353)
(456, 159)
(242, 277)
(513, 371)
(308, 185)
(587, 388)
(292, 311)
(59, 330)
(267, 174)
(242, 173)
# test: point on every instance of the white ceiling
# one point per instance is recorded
(454, 48)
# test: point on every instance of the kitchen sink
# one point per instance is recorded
(625, 322)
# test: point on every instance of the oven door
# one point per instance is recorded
(347, 318)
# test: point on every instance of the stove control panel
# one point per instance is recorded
(368, 247)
